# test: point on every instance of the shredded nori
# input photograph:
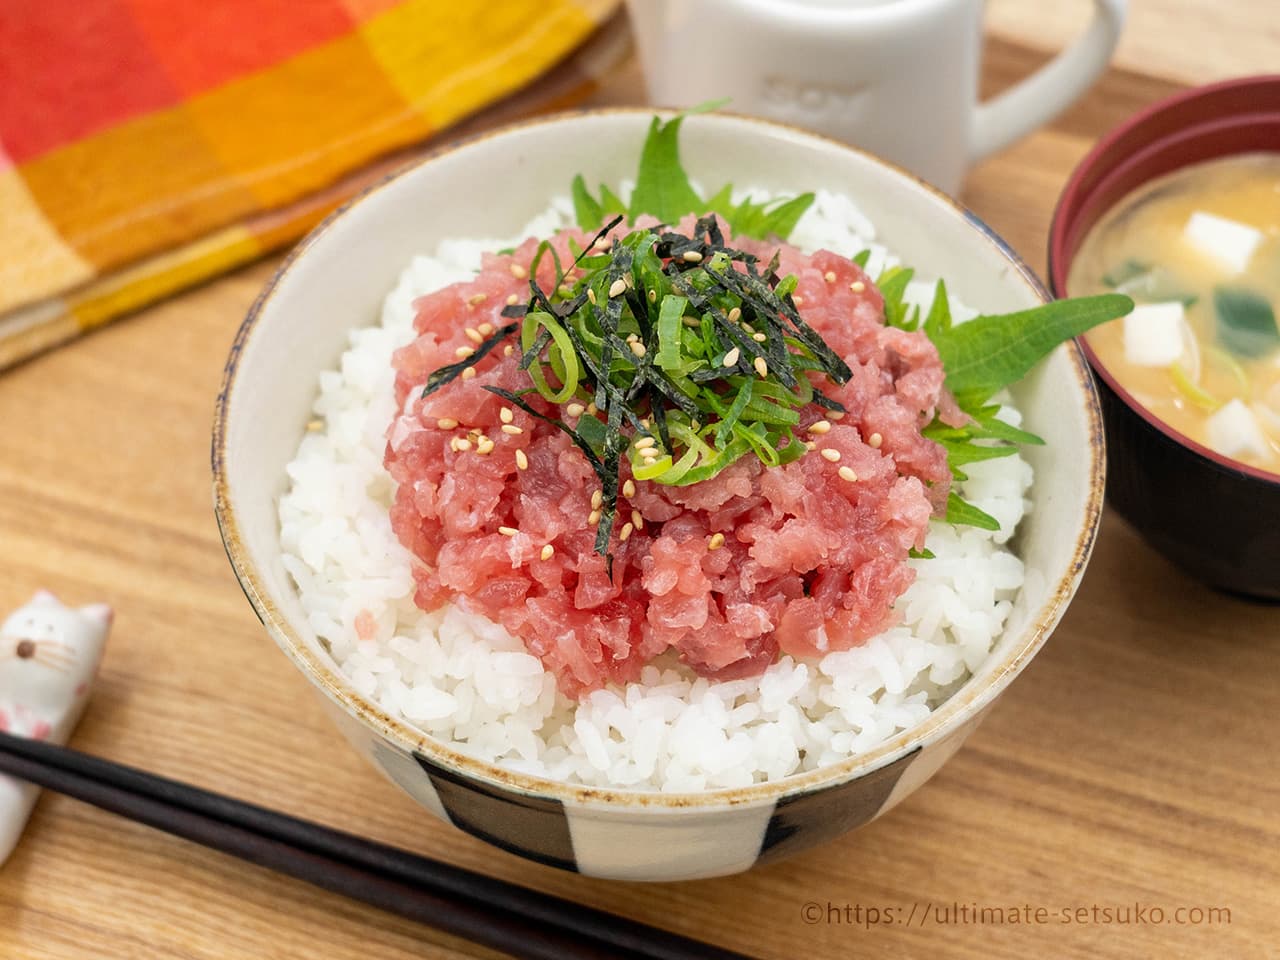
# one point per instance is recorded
(729, 410)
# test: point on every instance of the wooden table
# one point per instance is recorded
(1134, 763)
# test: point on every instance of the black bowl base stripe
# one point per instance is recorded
(530, 827)
(812, 818)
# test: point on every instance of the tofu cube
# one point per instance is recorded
(1234, 432)
(1153, 334)
(1228, 242)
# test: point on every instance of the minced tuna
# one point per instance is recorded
(805, 558)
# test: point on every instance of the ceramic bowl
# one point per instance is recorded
(1214, 517)
(490, 186)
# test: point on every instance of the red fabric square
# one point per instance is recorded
(69, 68)
(205, 43)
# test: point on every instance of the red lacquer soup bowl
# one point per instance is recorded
(1216, 518)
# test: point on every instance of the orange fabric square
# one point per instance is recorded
(201, 45)
(303, 123)
(447, 59)
(72, 67)
(136, 188)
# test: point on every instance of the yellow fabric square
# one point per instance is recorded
(34, 261)
(304, 122)
(448, 59)
(130, 190)
(163, 275)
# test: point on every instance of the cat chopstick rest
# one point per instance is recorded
(49, 654)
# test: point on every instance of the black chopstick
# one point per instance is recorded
(501, 915)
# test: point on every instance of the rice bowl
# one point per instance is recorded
(339, 279)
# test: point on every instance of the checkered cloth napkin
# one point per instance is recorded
(147, 145)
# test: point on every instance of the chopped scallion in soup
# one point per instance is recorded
(1199, 252)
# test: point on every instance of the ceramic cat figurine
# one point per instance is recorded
(49, 654)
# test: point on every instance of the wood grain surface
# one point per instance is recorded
(1134, 763)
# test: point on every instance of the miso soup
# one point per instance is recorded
(1199, 252)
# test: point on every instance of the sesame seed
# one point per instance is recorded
(653, 296)
(512, 300)
(618, 287)
(761, 366)
(748, 327)
(799, 301)
(810, 445)
(716, 541)
(836, 415)
(857, 286)
(508, 531)
(691, 321)
(820, 426)
(650, 454)
(597, 499)
(477, 299)
(602, 244)
(759, 337)
(486, 328)
(461, 444)
(691, 256)
(846, 473)
(637, 348)
(625, 532)
(447, 423)
(505, 415)
(644, 443)
(512, 429)
(508, 350)
(829, 276)
(629, 488)
(593, 517)
(522, 460)
(592, 409)
(637, 521)
(629, 280)
(731, 357)
(468, 373)
(575, 409)
(547, 552)
(735, 314)
(874, 441)
(591, 295)
(473, 335)
(829, 453)
(463, 352)
(518, 271)
(484, 446)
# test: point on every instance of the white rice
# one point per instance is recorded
(465, 680)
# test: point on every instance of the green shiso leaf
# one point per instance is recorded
(961, 512)
(663, 190)
(662, 187)
(586, 209)
(1246, 322)
(987, 354)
